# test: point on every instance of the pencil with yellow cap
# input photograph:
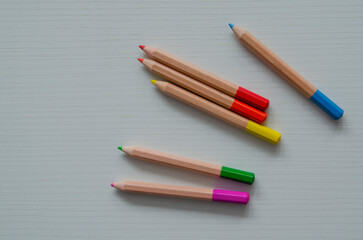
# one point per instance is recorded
(218, 111)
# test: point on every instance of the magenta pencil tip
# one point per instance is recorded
(140, 59)
(112, 184)
(141, 46)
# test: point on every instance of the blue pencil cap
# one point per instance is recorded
(327, 105)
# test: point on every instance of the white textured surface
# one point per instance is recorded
(72, 90)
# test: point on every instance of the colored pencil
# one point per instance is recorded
(205, 77)
(204, 91)
(283, 69)
(218, 111)
(189, 164)
(183, 191)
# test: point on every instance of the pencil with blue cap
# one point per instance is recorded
(287, 72)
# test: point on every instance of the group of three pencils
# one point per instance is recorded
(209, 92)
(222, 99)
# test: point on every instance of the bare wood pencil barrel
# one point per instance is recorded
(173, 160)
(165, 189)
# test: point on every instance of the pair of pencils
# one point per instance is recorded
(186, 164)
(209, 99)
(204, 91)
(287, 72)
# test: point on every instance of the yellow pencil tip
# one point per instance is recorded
(153, 81)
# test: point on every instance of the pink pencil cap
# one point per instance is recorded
(230, 196)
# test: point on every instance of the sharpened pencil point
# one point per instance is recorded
(231, 25)
(140, 59)
(141, 46)
(153, 81)
(112, 184)
(120, 148)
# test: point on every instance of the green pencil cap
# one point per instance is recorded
(238, 175)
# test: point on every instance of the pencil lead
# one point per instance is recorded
(153, 81)
(231, 25)
(112, 185)
(120, 148)
(140, 59)
(141, 46)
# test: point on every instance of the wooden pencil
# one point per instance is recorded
(204, 91)
(183, 191)
(188, 164)
(287, 72)
(205, 77)
(218, 111)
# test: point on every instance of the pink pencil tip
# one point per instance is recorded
(141, 46)
(141, 59)
(112, 185)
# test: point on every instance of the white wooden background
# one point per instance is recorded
(72, 90)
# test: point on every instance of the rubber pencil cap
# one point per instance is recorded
(238, 175)
(248, 111)
(230, 196)
(263, 132)
(252, 98)
(327, 105)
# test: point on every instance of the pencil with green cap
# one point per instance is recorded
(189, 164)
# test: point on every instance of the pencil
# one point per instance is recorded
(205, 77)
(188, 164)
(283, 69)
(204, 91)
(183, 191)
(218, 111)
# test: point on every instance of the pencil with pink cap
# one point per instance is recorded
(210, 194)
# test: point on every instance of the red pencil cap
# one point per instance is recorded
(248, 112)
(252, 98)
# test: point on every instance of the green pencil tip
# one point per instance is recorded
(120, 148)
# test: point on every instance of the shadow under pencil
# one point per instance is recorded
(185, 204)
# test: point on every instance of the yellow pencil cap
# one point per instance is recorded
(263, 132)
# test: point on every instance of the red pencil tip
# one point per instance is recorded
(141, 46)
(141, 59)
(112, 184)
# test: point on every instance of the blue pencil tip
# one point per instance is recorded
(231, 25)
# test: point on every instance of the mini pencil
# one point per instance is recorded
(218, 111)
(205, 91)
(183, 191)
(188, 164)
(205, 77)
(283, 69)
